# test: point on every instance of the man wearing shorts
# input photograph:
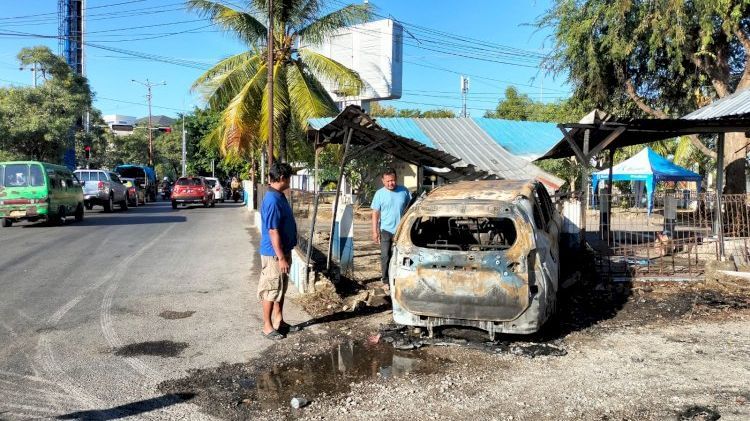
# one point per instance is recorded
(278, 238)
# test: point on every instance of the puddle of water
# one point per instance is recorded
(698, 413)
(163, 349)
(174, 315)
(332, 373)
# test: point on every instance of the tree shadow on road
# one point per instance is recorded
(130, 409)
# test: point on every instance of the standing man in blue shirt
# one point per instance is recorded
(388, 205)
(278, 238)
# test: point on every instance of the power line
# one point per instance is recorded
(98, 98)
(88, 8)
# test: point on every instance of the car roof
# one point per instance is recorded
(505, 190)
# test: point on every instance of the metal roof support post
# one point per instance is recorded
(581, 157)
(585, 183)
(718, 220)
(344, 159)
(609, 196)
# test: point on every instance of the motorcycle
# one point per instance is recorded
(166, 192)
(236, 195)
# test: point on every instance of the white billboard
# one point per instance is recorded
(375, 51)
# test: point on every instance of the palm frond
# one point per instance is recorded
(320, 28)
(244, 25)
(239, 122)
(309, 97)
(219, 87)
(221, 67)
(683, 153)
(281, 102)
(304, 11)
(347, 82)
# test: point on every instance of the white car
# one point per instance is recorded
(216, 186)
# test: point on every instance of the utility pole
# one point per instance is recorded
(33, 69)
(184, 146)
(148, 86)
(269, 84)
(464, 93)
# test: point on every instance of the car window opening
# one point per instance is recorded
(22, 175)
(463, 233)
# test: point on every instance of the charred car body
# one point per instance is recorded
(483, 254)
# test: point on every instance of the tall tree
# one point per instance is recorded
(656, 58)
(377, 110)
(35, 121)
(515, 106)
(237, 85)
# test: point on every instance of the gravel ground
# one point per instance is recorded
(629, 352)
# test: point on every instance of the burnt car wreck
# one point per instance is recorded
(483, 254)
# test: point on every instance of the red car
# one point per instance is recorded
(192, 190)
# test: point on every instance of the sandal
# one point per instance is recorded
(287, 328)
(273, 335)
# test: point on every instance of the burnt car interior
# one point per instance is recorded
(463, 233)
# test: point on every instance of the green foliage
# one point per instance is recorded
(130, 149)
(362, 173)
(99, 138)
(35, 123)
(236, 86)
(655, 58)
(377, 110)
(520, 107)
(671, 53)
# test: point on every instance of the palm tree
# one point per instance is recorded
(237, 84)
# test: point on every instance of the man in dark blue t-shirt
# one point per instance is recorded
(278, 238)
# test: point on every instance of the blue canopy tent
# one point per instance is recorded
(650, 168)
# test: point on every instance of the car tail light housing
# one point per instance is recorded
(100, 186)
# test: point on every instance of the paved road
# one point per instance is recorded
(81, 304)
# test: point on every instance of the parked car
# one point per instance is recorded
(216, 186)
(136, 195)
(483, 254)
(145, 178)
(192, 190)
(32, 191)
(103, 188)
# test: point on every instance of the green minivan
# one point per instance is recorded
(32, 191)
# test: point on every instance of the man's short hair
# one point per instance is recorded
(279, 170)
(389, 171)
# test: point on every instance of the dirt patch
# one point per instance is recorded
(164, 349)
(698, 413)
(614, 351)
(174, 315)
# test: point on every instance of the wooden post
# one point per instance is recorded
(348, 138)
(719, 220)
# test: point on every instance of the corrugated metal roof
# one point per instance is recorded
(736, 104)
(319, 123)
(365, 131)
(463, 138)
(405, 127)
(500, 147)
(528, 139)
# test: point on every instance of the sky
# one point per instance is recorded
(490, 41)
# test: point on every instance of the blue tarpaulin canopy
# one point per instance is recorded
(650, 168)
